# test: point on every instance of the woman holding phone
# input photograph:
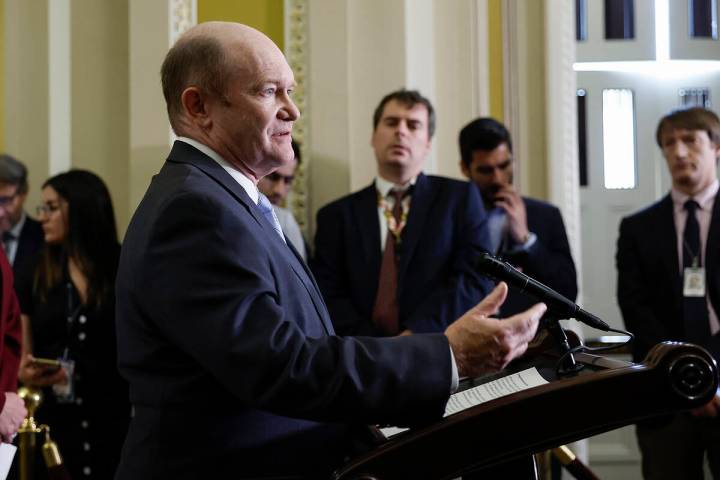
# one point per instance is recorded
(68, 310)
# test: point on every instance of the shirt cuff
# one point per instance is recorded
(531, 239)
(455, 381)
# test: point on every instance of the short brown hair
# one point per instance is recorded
(199, 61)
(695, 118)
(409, 98)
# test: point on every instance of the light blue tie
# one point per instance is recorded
(269, 213)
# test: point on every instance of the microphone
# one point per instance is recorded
(557, 304)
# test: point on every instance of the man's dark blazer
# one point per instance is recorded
(548, 260)
(30, 241)
(228, 348)
(649, 288)
(437, 277)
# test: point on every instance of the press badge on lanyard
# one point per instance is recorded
(694, 282)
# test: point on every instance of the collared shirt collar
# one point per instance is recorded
(704, 198)
(245, 182)
(17, 228)
(384, 186)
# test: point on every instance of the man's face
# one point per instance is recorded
(251, 125)
(11, 205)
(691, 158)
(401, 140)
(491, 170)
(277, 185)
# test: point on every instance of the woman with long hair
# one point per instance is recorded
(68, 309)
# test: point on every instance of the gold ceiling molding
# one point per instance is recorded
(183, 15)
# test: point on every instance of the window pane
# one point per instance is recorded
(619, 139)
(619, 19)
(694, 97)
(703, 19)
(580, 20)
(582, 136)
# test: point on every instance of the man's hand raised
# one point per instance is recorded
(482, 344)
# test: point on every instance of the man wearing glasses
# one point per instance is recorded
(22, 237)
(528, 233)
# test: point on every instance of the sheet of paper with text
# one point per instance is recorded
(471, 397)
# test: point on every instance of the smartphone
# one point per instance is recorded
(48, 365)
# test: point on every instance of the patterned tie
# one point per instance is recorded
(695, 312)
(385, 310)
(267, 210)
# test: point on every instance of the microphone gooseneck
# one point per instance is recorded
(558, 305)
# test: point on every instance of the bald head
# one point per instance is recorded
(208, 56)
(229, 87)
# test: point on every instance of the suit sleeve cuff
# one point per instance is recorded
(531, 239)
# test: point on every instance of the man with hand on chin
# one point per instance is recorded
(526, 232)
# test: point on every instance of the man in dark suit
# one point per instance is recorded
(435, 239)
(22, 237)
(668, 288)
(528, 233)
(230, 354)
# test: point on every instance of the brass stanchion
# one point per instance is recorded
(28, 432)
(573, 464)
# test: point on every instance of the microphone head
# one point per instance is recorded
(491, 266)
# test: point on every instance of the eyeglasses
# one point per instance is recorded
(7, 199)
(47, 209)
(276, 177)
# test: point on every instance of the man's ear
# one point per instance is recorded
(464, 169)
(195, 107)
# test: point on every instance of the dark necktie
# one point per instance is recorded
(695, 313)
(267, 210)
(385, 310)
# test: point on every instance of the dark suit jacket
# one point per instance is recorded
(228, 348)
(649, 289)
(548, 260)
(437, 278)
(30, 242)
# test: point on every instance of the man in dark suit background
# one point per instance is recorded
(383, 275)
(230, 354)
(668, 264)
(22, 237)
(528, 233)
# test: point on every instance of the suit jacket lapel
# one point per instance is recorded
(666, 239)
(367, 223)
(185, 153)
(712, 255)
(420, 202)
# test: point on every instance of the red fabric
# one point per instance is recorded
(10, 332)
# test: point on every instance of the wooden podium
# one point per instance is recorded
(606, 394)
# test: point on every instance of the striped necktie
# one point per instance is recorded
(269, 213)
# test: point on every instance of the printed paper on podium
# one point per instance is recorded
(471, 397)
(7, 452)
